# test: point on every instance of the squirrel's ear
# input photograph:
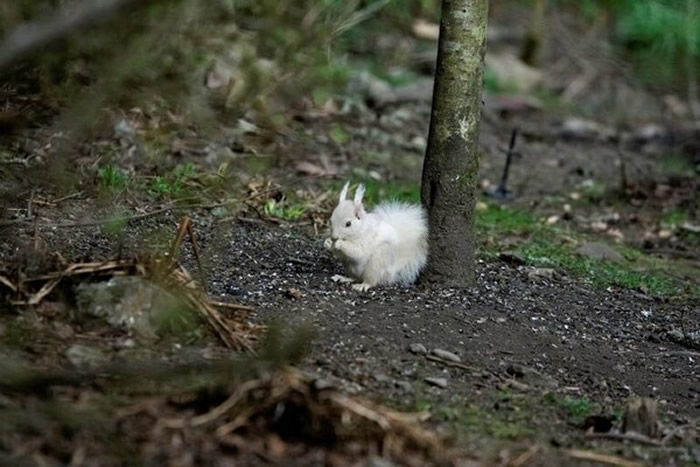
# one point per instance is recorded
(359, 211)
(359, 193)
(344, 192)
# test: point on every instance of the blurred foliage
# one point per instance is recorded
(661, 37)
(162, 49)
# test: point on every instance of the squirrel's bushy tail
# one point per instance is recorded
(411, 225)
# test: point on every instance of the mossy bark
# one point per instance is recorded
(452, 158)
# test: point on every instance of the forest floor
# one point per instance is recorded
(587, 295)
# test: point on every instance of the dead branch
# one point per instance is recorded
(29, 37)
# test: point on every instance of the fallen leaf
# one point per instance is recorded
(425, 30)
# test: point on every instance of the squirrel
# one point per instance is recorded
(388, 245)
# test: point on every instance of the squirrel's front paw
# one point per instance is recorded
(361, 287)
(328, 244)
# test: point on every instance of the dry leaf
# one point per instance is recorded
(425, 30)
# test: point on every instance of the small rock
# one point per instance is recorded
(84, 356)
(381, 378)
(123, 128)
(579, 128)
(600, 251)
(517, 385)
(418, 349)
(446, 355)
(610, 218)
(293, 293)
(127, 343)
(531, 377)
(541, 273)
(64, 331)
(508, 68)
(693, 228)
(516, 371)
(616, 234)
(650, 132)
(404, 386)
(439, 382)
(599, 226)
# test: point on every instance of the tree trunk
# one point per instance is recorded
(452, 158)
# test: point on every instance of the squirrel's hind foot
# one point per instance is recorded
(342, 279)
(361, 287)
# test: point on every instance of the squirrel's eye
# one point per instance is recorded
(347, 224)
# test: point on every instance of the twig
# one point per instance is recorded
(118, 219)
(523, 458)
(67, 197)
(197, 257)
(667, 439)
(218, 411)
(29, 204)
(630, 436)
(602, 458)
(16, 160)
(6, 282)
(449, 362)
(36, 233)
(233, 306)
(360, 410)
(29, 37)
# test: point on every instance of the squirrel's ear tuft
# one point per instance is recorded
(344, 192)
(359, 193)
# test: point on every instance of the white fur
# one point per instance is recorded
(386, 246)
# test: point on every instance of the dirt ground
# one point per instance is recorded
(534, 354)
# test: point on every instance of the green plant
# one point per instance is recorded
(676, 164)
(548, 246)
(281, 210)
(112, 177)
(675, 217)
(578, 409)
(339, 134)
(115, 224)
(175, 184)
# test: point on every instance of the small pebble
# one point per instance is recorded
(381, 378)
(439, 382)
(446, 355)
(404, 386)
(418, 349)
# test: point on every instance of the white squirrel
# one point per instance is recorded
(386, 246)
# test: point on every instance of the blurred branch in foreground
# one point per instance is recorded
(29, 37)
